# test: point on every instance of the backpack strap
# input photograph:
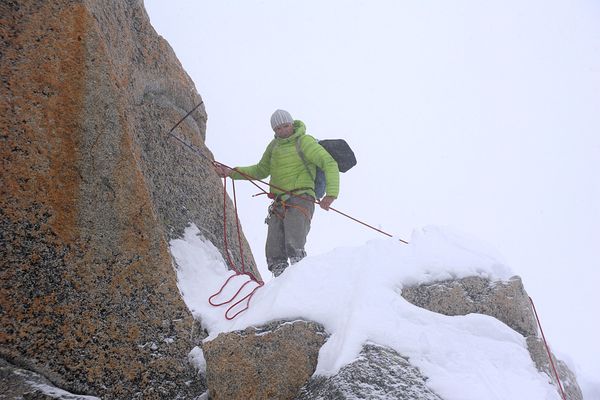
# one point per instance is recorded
(301, 154)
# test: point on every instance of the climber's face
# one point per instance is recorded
(284, 130)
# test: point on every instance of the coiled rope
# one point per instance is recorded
(237, 272)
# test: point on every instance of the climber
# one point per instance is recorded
(291, 159)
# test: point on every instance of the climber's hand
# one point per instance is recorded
(223, 171)
(326, 201)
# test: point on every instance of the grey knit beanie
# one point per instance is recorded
(281, 117)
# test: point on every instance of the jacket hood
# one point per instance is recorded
(299, 130)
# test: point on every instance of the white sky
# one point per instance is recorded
(482, 116)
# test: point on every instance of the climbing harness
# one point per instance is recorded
(562, 392)
(283, 203)
(240, 272)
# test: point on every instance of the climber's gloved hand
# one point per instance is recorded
(222, 170)
(326, 201)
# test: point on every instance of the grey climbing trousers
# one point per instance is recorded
(289, 224)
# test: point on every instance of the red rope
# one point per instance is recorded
(237, 224)
(252, 179)
(231, 264)
(237, 272)
(562, 392)
(198, 152)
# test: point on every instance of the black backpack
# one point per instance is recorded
(341, 153)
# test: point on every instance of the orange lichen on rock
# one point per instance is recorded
(45, 68)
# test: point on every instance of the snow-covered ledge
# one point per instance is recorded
(354, 293)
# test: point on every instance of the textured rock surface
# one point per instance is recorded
(506, 301)
(377, 373)
(90, 192)
(568, 380)
(270, 362)
(17, 383)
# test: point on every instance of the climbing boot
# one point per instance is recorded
(278, 269)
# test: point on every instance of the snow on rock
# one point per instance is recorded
(196, 358)
(379, 373)
(355, 294)
(19, 383)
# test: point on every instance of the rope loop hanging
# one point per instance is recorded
(232, 265)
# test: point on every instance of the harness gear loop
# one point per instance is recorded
(285, 205)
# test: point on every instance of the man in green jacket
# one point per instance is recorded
(291, 159)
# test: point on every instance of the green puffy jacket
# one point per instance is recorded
(287, 170)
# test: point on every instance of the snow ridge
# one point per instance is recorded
(355, 294)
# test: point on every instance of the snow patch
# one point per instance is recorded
(59, 394)
(354, 294)
(196, 358)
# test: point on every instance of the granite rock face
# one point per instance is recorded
(17, 383)
(270, 362)
(91, 191)
(540, 357)
(277, 361)
(506, 301)
(378, 373)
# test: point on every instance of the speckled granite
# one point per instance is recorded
(506, 301)
(268, 362)
(378, 373)
(91, 191)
